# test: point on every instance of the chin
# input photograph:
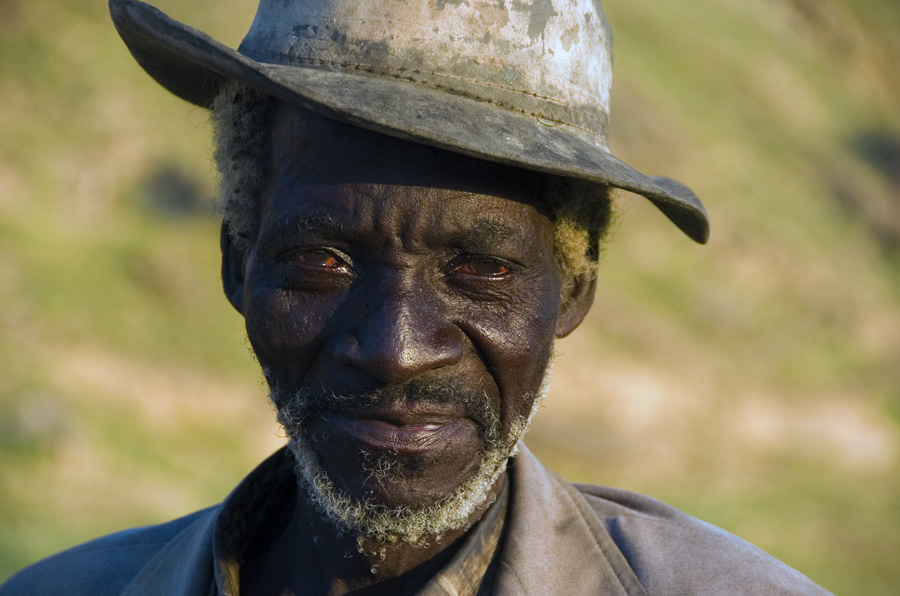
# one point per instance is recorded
(393, 496)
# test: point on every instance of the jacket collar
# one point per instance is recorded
(555, 542)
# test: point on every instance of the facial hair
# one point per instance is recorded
(371, 518)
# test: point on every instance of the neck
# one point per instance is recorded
(312, 556)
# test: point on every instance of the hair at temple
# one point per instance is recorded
(582, 211)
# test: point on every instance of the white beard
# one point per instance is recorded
(370, 518)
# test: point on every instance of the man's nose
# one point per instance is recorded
(400, 335)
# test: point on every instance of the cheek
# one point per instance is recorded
(285, 330)
(517, 344)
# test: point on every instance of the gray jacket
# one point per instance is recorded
(559, 539)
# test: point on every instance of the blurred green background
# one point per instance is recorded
(754, 382)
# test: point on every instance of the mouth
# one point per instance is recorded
(398, 430)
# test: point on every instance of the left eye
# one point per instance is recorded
(482, 267)
(318, 258)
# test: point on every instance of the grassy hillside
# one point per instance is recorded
(754, 382)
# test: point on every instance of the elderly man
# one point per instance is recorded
(414, 194)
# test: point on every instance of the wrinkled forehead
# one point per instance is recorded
(305, 148)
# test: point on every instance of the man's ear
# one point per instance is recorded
(232, 270)
(577, 297)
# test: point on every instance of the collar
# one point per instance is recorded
(463, 575)
(556, 542)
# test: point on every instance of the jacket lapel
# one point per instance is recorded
(184, 567)
(555, 542)
(201, 560)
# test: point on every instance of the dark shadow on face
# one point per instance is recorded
(380, 263)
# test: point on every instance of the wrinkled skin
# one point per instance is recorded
(381, 263)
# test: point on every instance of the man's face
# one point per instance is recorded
(403, 303)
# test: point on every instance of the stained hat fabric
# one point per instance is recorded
(525, 84)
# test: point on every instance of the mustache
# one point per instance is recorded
(296, 407)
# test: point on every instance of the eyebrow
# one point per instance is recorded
(485, 229)
(481, 231)
(318, 222)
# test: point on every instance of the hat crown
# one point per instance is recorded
(551, 59)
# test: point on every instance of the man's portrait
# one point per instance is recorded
(436, 297)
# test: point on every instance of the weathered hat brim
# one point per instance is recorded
(194, 66)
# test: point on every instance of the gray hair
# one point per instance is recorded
(239, 114)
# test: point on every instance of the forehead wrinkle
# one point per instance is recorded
(443, 228)
(501, 220)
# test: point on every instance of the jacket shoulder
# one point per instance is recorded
(101, 567)
(674, 553)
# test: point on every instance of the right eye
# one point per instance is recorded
(318, 258)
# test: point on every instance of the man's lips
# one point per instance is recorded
(400, 431)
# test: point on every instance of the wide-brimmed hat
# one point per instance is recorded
(521, 83)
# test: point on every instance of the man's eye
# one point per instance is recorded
(482, 267)
(318, 258)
